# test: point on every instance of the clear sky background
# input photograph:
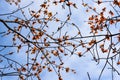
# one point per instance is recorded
(81, 65)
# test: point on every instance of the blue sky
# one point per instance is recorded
(79, 16)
